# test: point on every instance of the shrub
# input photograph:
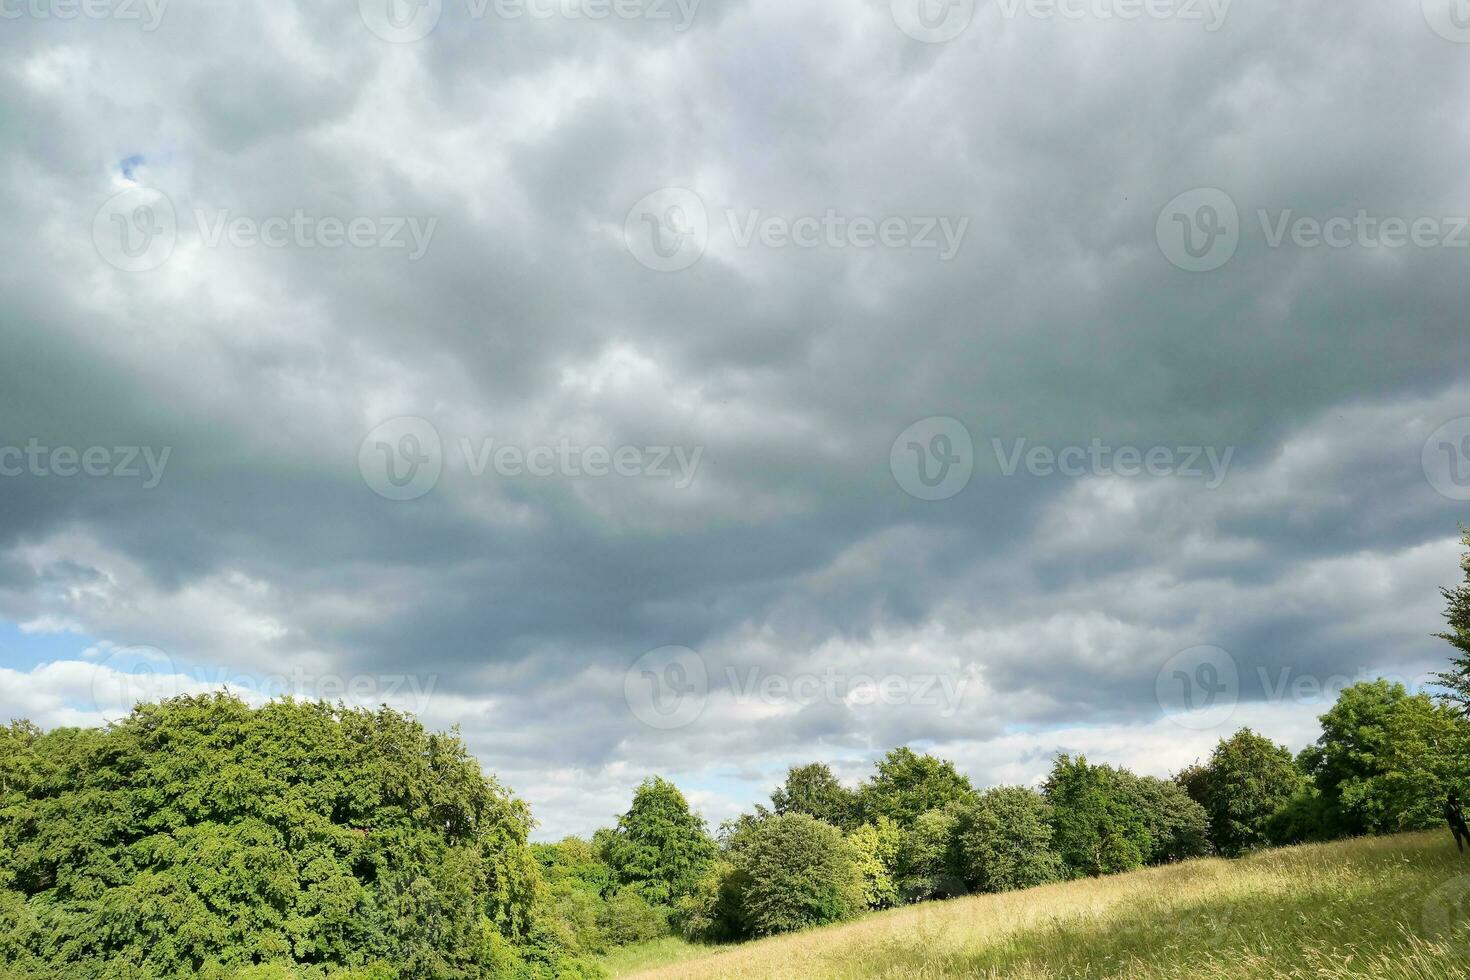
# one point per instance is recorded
(875, 848)
(790, 872)
(1004, 841)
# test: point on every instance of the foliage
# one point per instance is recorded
(1096, 830)
(661, 846)
(1178, 827)
(813, 789)
(1387, 759)
(790, 872)
(908, 784)
(925, 865)
(875, 848)
(1456, 680)
(200, 836)
(1246, 781)
(1004, 841)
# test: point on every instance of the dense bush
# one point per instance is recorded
(1096, 829)
(790, 872)
(1004, 841)
(200, 837)
(1387, 759)
(1178, 827)
(1245, 783)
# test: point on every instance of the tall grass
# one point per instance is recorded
(1393, 908)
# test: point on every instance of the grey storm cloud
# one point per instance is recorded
(794, 549)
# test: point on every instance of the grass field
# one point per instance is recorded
(1394, 908)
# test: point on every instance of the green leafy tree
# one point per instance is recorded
(875, 849)
(813, 789)
(790, 872)
(1386, 759)
(661, 847)
(1178, 827)
(200, 836)
(1004, 841)
(925, 865)
(1456, 680)
(907, 784)
(1246, 781)
(1096, 830)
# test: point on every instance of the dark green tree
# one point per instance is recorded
(908, 784)
(1097, 831)
(1456, 680)
(660, 847)
(1246, 781)
(1386, 759)
(1004, 841)
(813, 789)
(1178, 827)
(790, 872)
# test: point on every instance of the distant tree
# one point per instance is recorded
(1247, 779)
(1386, 759)
(875, 848)
(790, 872)
(1456, 680)
(908, 784)
(1003, 841)
(813, 789)
(661, 847)
(1096, 830)
(1178, 827)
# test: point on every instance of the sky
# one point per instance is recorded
(705, 388)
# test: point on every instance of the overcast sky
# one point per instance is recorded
(972, 379)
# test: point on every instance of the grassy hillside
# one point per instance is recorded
(1396, 908)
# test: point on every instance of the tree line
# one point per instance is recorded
(200, 837)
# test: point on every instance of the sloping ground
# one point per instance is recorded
(1396, 908)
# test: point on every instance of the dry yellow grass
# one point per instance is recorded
(1391, 908)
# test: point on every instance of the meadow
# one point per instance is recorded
(1388, 908)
